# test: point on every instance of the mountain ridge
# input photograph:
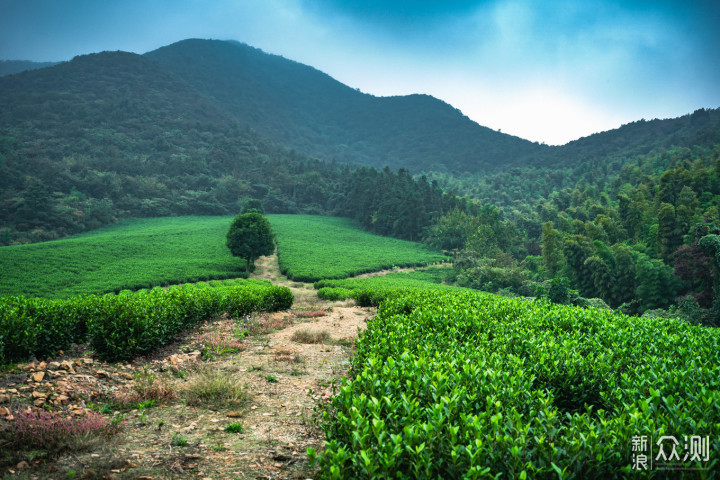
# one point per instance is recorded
(321, 116)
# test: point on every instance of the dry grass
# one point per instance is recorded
(310, 335)
(213, 387)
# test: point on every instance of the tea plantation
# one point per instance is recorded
(142, 253)
(311, 248)
(471, 385)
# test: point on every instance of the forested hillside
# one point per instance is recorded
(114, 135)
(303, 108)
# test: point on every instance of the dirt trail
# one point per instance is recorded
(282, 377)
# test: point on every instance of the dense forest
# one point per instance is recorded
(626, 218)
(642, 239)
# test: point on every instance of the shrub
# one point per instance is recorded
(332, 294)
(466, 385)
(122, 326)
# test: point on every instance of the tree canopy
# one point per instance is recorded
(249, 237)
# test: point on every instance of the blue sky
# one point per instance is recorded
(548, 71)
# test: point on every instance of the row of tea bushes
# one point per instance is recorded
(471, 385)
(370, 290)
(122, 326)
(312, 247)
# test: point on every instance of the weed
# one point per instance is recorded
(260, 324)
(234, 428)
(307, 335)
(219, 447)
(178, 440)
(143, 418)
(146, 392)
(309, 313)
(254, 368)
(219, 342)
(271, 378)
(54, 432)
(215, 388)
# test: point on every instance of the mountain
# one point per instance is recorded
(9, 67)
(701, 128)
(199, 126)
(114, 134)
(300, 107)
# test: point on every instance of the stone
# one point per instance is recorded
(4, 412)
(65, 365)
(38, 377)
(234, 414)
(88, 361)
(42, 366)
(4, 398)
(54, 365)
(102, 374)
(36, 394)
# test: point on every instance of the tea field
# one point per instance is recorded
(312, 248)
(142, 253)
(132, 254)
(452, 384)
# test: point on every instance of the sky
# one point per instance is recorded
(548, 71)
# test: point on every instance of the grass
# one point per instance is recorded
(214, 388)
(311, 248)
(142, 253)
(310, 336)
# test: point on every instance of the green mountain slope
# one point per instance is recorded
(113, 134)
(303, 108)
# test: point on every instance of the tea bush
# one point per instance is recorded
(312, 247)
(122, 326)
(471, 385)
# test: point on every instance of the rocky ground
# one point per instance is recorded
(233, 398)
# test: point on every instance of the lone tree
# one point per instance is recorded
(250, 237)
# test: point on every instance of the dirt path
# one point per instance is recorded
(287, 363)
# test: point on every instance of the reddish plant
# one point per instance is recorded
(53, 431)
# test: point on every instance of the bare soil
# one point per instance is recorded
(282, 381)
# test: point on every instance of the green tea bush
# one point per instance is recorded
(312, 247)
(122, 326)
(472, 385)
(332, 294)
